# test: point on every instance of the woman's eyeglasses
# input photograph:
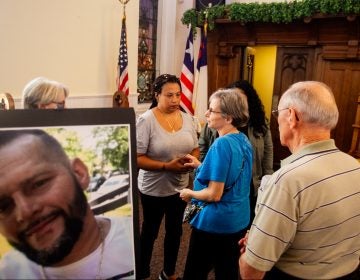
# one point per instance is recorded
(215, 112)
(59, 105)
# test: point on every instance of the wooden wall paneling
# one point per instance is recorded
(323, 48)
(344, 79)
(224, 65)
(355, 144)
(212, 59)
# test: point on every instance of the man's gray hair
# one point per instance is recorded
(313, 101)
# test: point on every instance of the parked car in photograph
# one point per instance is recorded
(113, 193)
(95, 183)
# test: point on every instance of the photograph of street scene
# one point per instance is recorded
(105, 150)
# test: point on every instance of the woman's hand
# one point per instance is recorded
(191, 161)
(185, 194)
(178, 165)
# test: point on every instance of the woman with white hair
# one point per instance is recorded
(42, 93)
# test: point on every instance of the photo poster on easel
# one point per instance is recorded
(105, 140)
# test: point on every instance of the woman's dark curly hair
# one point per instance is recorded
(159, 82)
(257, 119)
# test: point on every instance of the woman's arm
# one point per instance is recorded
(212, 193)
(175, 165)
(195, 153)
(146, 163)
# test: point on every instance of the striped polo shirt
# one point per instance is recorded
(308, 215)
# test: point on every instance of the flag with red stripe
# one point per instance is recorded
(123, 78)
(187, 76)
(200, 98)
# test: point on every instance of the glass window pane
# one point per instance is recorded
(147, 49)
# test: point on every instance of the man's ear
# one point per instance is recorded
(292, 118)
(81, 172)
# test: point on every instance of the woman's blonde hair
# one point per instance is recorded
(42, 91)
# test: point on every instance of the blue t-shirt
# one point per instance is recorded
(228, 160)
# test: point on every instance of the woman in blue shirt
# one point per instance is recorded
(222, 182)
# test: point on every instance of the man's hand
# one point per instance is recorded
(243, 242)
(246, 270)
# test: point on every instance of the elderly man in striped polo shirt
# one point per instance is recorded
(307, 224)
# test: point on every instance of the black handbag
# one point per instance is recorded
(191, 210)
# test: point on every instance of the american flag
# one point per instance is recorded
(187, 76)
(123, 78)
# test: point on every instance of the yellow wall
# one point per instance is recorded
(264, 74)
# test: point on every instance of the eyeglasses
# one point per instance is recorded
(215, 112)
(59, 105)
(275, 113)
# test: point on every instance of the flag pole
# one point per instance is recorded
(122, 75)
(200, 95)
(124, 2)
(206, 18)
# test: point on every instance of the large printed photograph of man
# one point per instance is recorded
(66, 203)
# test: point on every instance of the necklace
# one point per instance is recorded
(102, 244)
(171, 124)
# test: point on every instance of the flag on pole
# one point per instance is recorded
(123, 78)
(187, 76)
(200, 97)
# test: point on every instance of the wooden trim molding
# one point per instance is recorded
(351, 51)
(339, 35)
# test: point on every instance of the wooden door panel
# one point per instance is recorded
(344, 79)
(224, 63)
(342, 75)
(292, 65)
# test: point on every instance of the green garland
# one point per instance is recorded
(283, 12)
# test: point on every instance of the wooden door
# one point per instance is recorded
(293, 64)
(343, 76)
